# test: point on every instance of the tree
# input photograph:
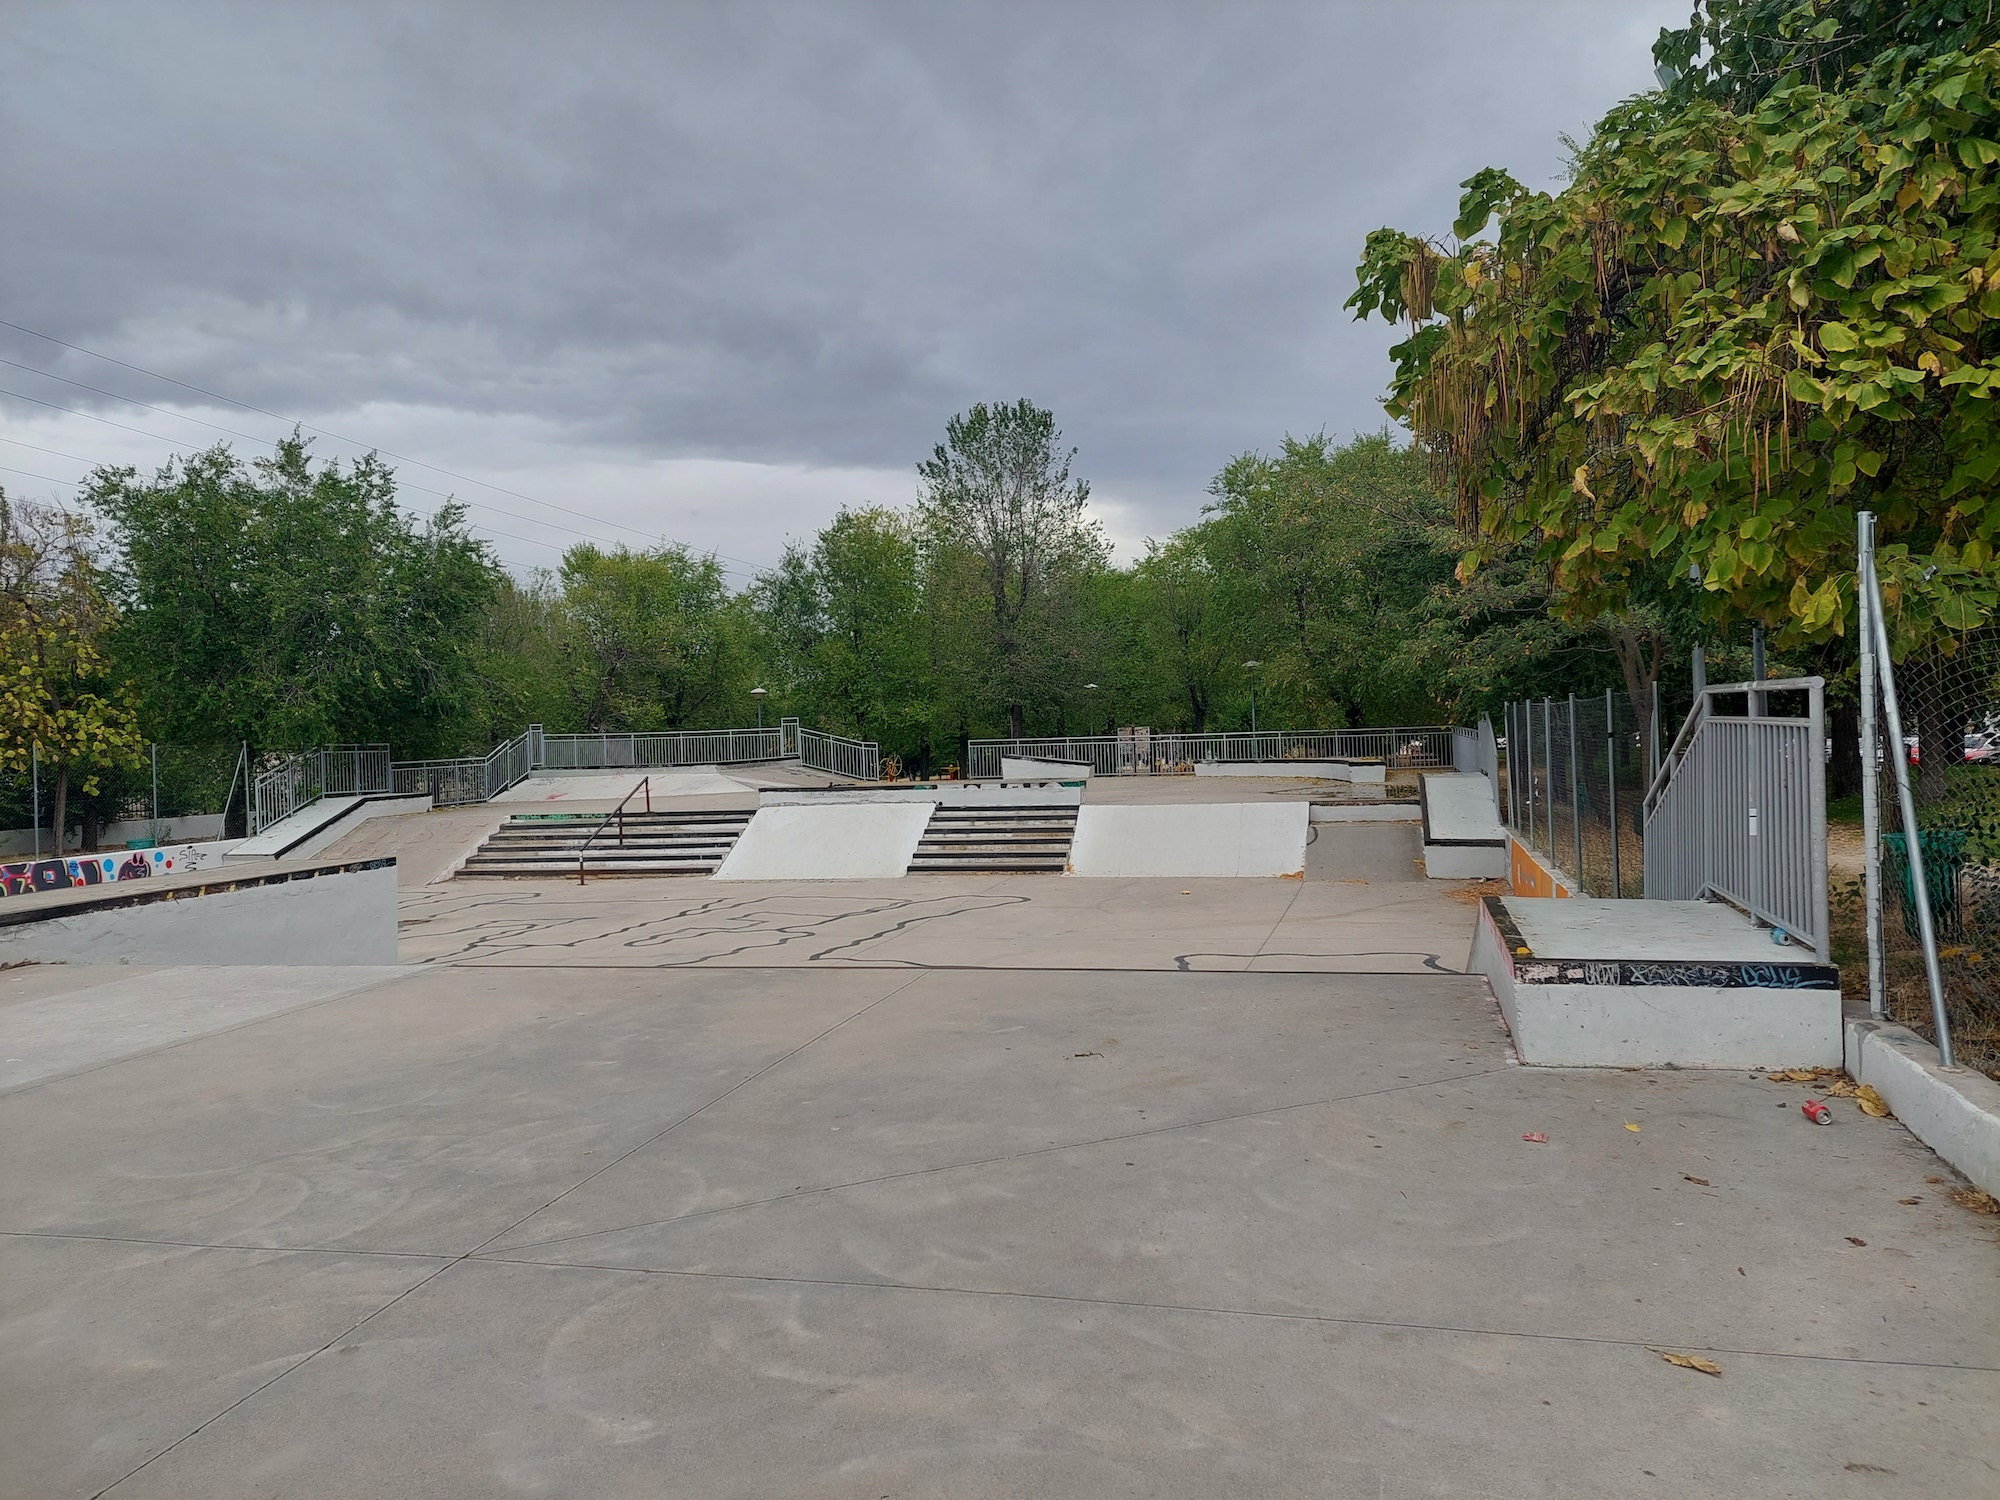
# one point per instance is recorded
(59, 702)
(1181, 607)
(652, 640)
(288, 604)
(998, 491)
(1768, 297)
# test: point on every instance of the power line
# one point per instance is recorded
(355, 442)
(45, 478)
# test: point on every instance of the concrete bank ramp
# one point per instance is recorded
(832, 841)
(1463, 838)
(1191, 839)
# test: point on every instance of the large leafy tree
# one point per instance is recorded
(60, 702)
(287, 603)
(1767, 297)
(1001, 508)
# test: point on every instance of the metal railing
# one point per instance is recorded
(1150, 753)
(685, 747)
(468, 779)
(617, 815)
(329, 771)
(858, 759)
(1576, 777)
(1737, 810)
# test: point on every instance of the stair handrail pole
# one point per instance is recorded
(1870, 748)
(618, 812)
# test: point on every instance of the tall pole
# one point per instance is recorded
(1575, 796)
(1870, 748)
(1756, 669)
(35, 781)
(154, 831)
(1912, 845)
(1611, 782)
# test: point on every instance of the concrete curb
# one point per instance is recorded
(1955, 1113)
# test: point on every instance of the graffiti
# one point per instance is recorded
(27, 877)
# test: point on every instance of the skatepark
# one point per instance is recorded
(863, 1183)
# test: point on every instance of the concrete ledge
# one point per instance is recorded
(312, 828)
(1184, 840)
(334, 913)
(1359, 772)
(1023, 768)
(1955, 1113)
(1465, 861)
(1364, 812)
(1647, 1011)
(930, 793)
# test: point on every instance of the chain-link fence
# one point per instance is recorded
(176, 793)
(1575, 784)
(1950, 719)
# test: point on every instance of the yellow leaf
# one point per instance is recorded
(1631, 1127)
(1579, 482)
(1871, 1102)
(1690, 1362)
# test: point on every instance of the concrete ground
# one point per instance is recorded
(942, 1187)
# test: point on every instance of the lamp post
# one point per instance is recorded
(758, 694)
(1251, 667)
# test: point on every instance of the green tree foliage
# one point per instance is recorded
(1766, 298)
(287, 603)
(1001, 512)
(60, 701)
(651, 640)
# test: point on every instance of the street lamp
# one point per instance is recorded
(1251, 667)
(758, 694)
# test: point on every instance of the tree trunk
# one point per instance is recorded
(1843, 772)
(1017, 721)
(61, 810)
(93, 830)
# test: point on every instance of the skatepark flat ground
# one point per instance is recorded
(940, 1187)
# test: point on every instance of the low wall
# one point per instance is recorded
(331, 913)
(81, 871)
(1359, 772)
(1956, 1112)
(1014, 768)
(843, 840)
(1189, 840)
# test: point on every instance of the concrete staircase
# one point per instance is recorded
(657, 843)
(996, 841)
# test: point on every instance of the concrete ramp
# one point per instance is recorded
(1187, 840)
(1463, 839)
(610, 786)
(833, 841)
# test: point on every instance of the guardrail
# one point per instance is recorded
(1148, 753)
(328, 771)
(687, 747)
(1738, 809)
(858, 759)
(467, 779)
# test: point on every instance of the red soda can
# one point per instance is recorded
(1817, 1112)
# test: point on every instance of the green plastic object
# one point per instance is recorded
(142, 843)
(1944, 862)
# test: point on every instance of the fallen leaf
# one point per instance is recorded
(1741, 1272)
(1842, 1088)
(1854, 1239)
(1794, 1075)
(1536, 1137)
(1703, 1181)
(1631, 1127)
(1978, 1202)
(1910, 1202)
(1690, 1362)
(1872, 1103)
(1936, 1181)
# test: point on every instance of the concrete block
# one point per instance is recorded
(1652, 989)
(1021, 768)
(1359, 772)
(343, 913)
(1955, 1112)
(1191, 839)
(844, 840)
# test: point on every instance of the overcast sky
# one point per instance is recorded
(710, 272)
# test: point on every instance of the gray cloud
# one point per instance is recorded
(798, 235)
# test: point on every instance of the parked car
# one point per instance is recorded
(1980, 747)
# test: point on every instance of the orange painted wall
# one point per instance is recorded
(1530, 876)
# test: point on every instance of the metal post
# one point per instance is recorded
(1699, 667)
(1816, 804)
(1611, 782)
(35, 781)
(1575, 796)
(1757, 673)
(1870, 749)
(1912, 845)
(1653, 750)
(154, 831)
(1528, 762)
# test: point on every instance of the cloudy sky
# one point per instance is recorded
(711, 272)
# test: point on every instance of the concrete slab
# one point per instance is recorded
(837, 841)
(1022, 768)
(1359, 772)
(1646, 930)
(1213, 839)
(1373, 852)
(312, 828)
(1463, 836)
(612, 786)
(867, 1233)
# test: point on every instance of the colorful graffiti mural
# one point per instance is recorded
(25, 877)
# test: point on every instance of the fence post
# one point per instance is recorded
(35, 782)
(1913, 852)
(1870, 748)
(1528, 764)
(1575, 796)
(1611, 781)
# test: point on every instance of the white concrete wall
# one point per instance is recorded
(1191, 839)
(1955, 1113)
(1361, 773)
(833, 841)
(1018, 768)
(347, 917)
(1465, 861)
(1652, 1026)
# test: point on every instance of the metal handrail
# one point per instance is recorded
(1146, 752)
(645, 785)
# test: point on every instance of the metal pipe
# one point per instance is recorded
(1575, 796)
(1913, 853)
(1870, 750)
(1611, 782)
(1816, 817)
(35, 781)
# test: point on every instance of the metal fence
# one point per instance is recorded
(469, 778)
(1738, 809)
(690, 747)
(1144, 752)
(859, 759)
(329, 771)
(1573, 785)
